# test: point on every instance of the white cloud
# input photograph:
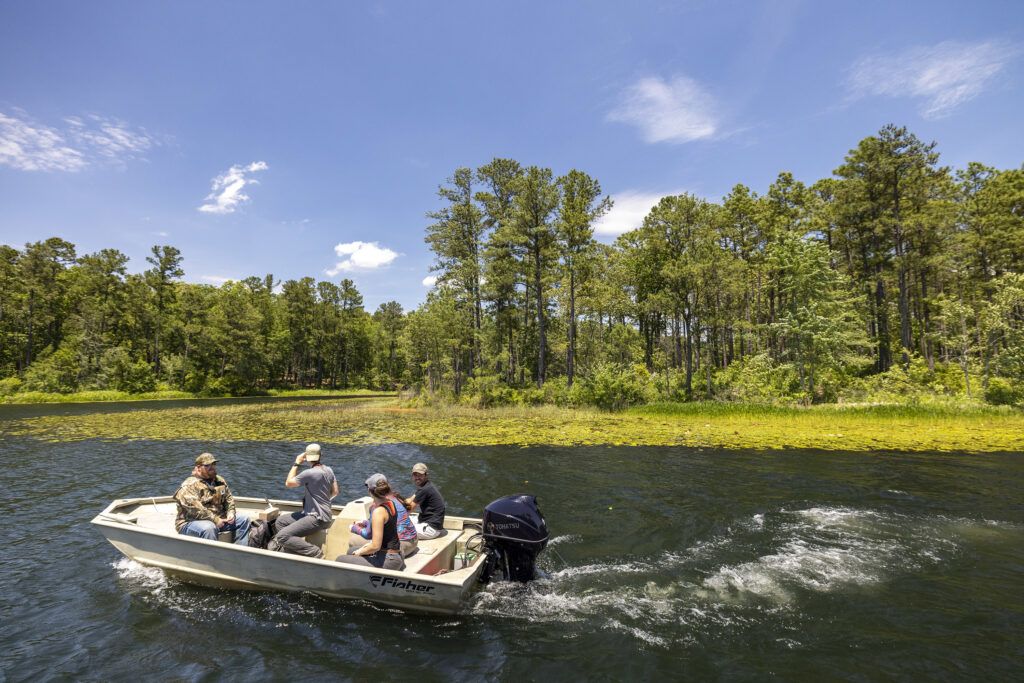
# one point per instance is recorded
(226, 190)
(430, 281)
(944, 76)
(361, 256)
(30, 146)
(214, 279)
(668, 111)
(628, 212)
(109, 138)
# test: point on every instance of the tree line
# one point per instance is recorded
(895, 267)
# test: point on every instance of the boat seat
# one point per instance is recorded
(335, 539)
(433, 555)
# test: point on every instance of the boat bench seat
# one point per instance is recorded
(434, 555)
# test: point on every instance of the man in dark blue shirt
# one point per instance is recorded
(428, 502)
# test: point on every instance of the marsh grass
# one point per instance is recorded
(867, 411)
(99, 396)
(371, 421)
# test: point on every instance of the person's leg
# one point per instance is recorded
(394, 562)
(408, 547)
(280, 525)
(284, 520)
(201, 529)
(380, 560)
(356, 541)
(241, 528)
(291, 538)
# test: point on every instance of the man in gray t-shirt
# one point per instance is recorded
(321, 487)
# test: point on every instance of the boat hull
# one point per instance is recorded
(228, 565)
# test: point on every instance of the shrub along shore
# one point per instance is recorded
(693, 425)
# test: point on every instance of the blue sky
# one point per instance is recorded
(309, 138)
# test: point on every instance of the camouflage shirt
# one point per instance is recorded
(199, 499)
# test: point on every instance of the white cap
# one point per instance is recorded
(312, 452)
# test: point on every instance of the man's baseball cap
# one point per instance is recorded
(205, 459)
(419, 468)
(313, 452)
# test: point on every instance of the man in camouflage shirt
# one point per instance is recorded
(206, 506)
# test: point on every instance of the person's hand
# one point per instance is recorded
(222, 523)
(301, 459)
(230, 519)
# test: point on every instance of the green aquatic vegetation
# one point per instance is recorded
(355, 421)
(99, 395)
(109, 395)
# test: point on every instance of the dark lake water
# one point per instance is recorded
(665, 563)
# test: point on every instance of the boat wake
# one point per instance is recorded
(763, 568)
(153, 585)
(140, 576)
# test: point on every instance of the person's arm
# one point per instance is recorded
(229, 504)
(334, 489)
(290, 481)
(377, 520)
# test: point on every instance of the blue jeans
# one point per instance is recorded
(208, 530)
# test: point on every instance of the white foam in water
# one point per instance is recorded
(782, 555)
(612, 568)
(802, 564)
(568, 538)
(828, 549)
(147, 577)
(638, 633)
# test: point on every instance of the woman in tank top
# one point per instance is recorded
(384, 549)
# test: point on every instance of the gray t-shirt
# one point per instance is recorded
(318, 480)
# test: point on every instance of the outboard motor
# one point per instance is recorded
(514, 534)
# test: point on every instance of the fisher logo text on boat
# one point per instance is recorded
(390, 581)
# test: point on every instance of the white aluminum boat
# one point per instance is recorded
(438, 578)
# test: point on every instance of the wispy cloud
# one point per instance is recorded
(677, 110)
(944, 76)
(28, 145)
(214, 279)
(628, 212)
(430, 281)
(109, 138)
(226, 189)
(361, 256)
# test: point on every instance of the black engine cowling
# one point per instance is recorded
(514, 533)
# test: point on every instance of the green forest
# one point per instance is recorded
(894, 280)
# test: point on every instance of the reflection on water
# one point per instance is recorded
(664, 562)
